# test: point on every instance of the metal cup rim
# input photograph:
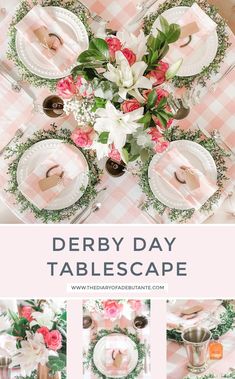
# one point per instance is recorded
(196, 343)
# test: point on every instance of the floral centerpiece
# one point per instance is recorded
(37, 338)
(114, 309)
(115, 94)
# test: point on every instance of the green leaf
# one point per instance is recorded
(145, 119)
(144, 155)
(162, 103)
(173, 33)
(99, 103)
(125, 155)
(103, 137)
(101, 46)
(152, 98)
(164, 24)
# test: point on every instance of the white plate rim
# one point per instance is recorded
(40, 145)
(157, 157)
(50, 74)
(192, 70)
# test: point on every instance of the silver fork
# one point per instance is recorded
(212, 87)
(15, 85)
(93, 15)
(18, 134)
(143, 9)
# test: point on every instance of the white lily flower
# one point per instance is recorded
(138, 44)
(117, 124)
(127, 78)
(102, 149)
(32, 352)
(44, 318)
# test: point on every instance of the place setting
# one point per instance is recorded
(200, 334)
(102, 108)
(116, 338)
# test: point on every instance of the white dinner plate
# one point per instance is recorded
(198, 157)
(210, 320)
(35, 62)
(36, 154)
(201, 57)
(121, 343)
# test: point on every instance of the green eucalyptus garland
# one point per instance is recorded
(141, 349)
(71, 5)
(218, 154)
(223, 37)
(230, 375)
(226, 324)
(46, 216)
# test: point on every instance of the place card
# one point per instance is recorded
(189, 29)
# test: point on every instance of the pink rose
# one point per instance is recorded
(44, 331)
(155, 134)
(161, 93)
(161, 146)
(112, 308)
(114, 45)
(130, 56)
(115, 155)
(159, 74)
(53, 340)
(83, 137)
(26, 312)
(66, 87)
(83, 87)
(130, 105)
(135, 304)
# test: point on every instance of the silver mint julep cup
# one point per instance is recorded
(196, 341)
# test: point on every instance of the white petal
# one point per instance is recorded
(138, 68)
(143, 82)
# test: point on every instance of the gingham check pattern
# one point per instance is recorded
(102, 323)
(123, 194)
(66, 54)
(17, 110)
(177, 359)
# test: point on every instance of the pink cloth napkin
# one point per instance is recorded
(16, 109)
(39, 16)
(205, 24)
(68, 161)
(170, 162)
(174, 318)
(111, 353)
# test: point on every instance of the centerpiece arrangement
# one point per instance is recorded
(116, 94)
(38, 339)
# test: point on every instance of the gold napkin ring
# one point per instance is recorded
(52, 168)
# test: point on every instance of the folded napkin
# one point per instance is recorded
(170, 163)
(16, 110)
(68, 162)
(175, 320)
(39, 16)
(111, 355)
(205, 25)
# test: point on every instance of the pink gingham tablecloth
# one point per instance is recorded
(177, 359)
(123, 194)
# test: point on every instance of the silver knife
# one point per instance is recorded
(142, 13)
